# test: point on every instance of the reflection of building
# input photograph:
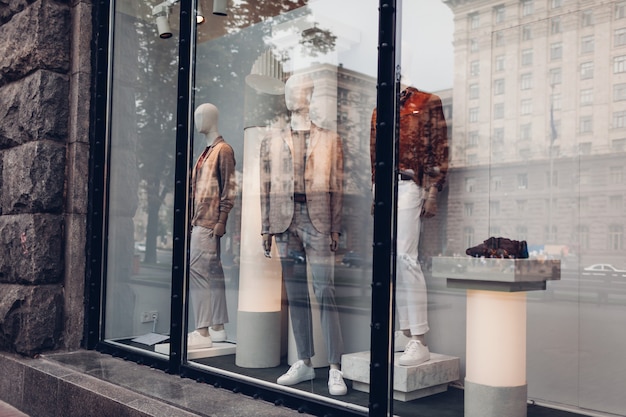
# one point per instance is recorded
(434, 239)
(356, 98)
(539, 131)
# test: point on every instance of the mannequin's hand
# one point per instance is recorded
(267, 244)
(219, 229)
(334, 241)
(429, 209)
(220, 225)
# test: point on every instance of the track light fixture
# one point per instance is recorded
(220, 7)
(199, 14)
(161, 13)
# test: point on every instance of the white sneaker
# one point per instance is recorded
(217, 335)
(414, 354)
(196, 341)
(297, 373)
(336, 385)
(400, 341)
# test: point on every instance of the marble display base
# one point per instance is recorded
(492, 274)
(409, 382)
(218, 349)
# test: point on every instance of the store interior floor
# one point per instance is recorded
(445, 404)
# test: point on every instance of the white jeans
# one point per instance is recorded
(411, 297)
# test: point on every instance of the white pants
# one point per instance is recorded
(411, 297)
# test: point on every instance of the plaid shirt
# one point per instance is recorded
(423, 138)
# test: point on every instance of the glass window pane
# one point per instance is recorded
(141, 179)
(543, 162)
(295, 89)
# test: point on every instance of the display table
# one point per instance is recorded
(495, 376)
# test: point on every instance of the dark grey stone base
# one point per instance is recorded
(486, 401)
(258, 339)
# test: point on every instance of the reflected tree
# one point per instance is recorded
(156, 112)
(222, 64)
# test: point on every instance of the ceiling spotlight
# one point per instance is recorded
(161, 14)
(199, 15)
(220, 7)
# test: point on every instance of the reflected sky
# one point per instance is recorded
(427, 27)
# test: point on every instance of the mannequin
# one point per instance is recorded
(422, 166)
(213, 195)
(305, 215)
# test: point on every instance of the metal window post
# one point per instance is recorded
(383, 268)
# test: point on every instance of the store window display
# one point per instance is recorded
(422, 168)
(213, 195)
(301, 203)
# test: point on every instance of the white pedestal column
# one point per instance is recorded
(495, 380)
(260, 279)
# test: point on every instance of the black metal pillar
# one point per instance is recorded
(383, 268)
(101, 18)
(181, 184)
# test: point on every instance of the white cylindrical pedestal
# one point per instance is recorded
(260, 279)
(496, 354)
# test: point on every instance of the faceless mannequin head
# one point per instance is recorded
(298, 93)
(206, 119)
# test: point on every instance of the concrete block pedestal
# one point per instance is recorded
(409, 382)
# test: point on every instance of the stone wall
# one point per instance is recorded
(45, 91)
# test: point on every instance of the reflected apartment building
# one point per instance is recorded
(539, 127)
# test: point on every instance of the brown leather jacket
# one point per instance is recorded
(423, 138)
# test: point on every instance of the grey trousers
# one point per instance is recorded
(302, 236)
(207, 289)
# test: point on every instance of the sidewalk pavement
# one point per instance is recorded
(6, 410)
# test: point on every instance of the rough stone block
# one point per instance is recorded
(1, 177)
(12, 7)
(77, 178)
(31, 318)
(38, 37)
(75, 226)
(34, 108)
(31, 249)
(79, 102)
(34, 178)
(81, 37)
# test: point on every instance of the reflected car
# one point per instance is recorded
(351, 259)
(603, 268)
(140, 247)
